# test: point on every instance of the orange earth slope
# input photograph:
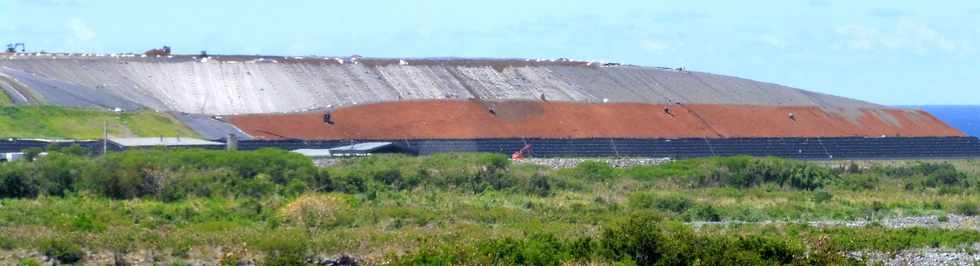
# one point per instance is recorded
(454, 119)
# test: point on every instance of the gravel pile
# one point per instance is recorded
(572, 162)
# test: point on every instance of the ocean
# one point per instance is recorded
(963, 117)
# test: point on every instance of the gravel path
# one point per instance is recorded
(967, 255)
(952, 221)
(926, 256)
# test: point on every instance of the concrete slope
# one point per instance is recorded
(28, 88)
(246, 85)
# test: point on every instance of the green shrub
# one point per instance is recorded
(642, 200)
(86, 223)
(28, 262)
(141, 173)
(821, 196)
(676, 204)
(390, 177)
(207, 183)
(674, 169)
(854, 168)
(16, 181)
(73, 149)
(536, 249)
(967, 208)
(57, 173)
(690, 210)
(439, 256)
(743, 171)
(859, 182)
(6, 243)
(259, 186)
(642, 238)
(703, 212)
(286, 249)
(928, 175)
(32, 153)
(539, 185)
(594, 170)
(63, 251)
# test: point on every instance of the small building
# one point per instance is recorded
(12, 156)
(353, 150)
(136, 143)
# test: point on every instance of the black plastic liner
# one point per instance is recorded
(849, 148)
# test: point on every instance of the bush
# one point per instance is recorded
(163, 174)
(444, 255)
(967, 208)
(687, 208)
(536, 249)
(743, 171)
(822, 196)
(28, 262)
(57, 173)
(285, 250)
(16, 181)
(859, 182)
(703, 213)
(32, 153)
(539, 185)
(928, 175)
(315, 211)
(640, 239)
(142, 173)
(63, 251)
(594, 171)
(643, 239)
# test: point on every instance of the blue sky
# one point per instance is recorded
(889, 52)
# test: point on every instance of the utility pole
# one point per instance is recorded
(105, 137)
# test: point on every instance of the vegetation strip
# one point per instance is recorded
(277, 208)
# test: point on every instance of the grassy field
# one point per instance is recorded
(475, 209)
(5, 99)
(82, 123)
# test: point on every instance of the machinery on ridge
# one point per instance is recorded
(12, 47)
(165, 51)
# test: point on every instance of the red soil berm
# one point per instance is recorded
(452, 119)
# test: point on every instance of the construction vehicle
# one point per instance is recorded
(519, 155)
(165, 51)
(12, 47)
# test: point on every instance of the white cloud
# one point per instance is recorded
(904, 36)
(53, 2)
(80, 30)
(855, 37)
(773, 41)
